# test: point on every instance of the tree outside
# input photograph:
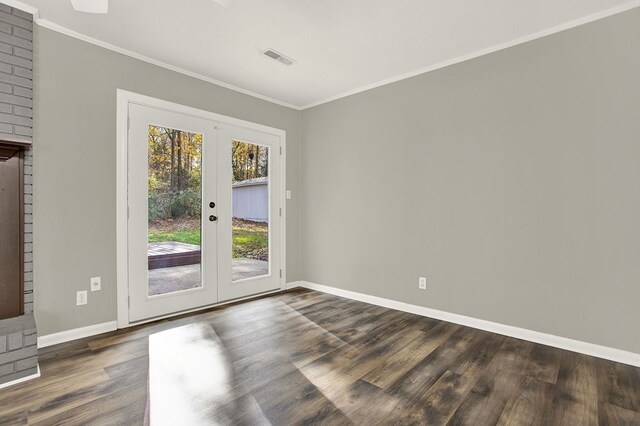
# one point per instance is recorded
(249, 161)
(250, 238)
(175, 174)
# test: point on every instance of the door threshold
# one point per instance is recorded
(202, 308)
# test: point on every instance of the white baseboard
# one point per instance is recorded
(586, 348)
(293, 284)
(76, 333)
(22, 379)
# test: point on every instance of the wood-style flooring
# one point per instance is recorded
(304, 357)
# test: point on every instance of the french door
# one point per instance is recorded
(251, 217)
(204, 216)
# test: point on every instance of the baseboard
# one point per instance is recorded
(22, 379)
(293, 284)
(586, 348)
(76, 333)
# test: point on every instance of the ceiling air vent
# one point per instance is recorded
(278, 57)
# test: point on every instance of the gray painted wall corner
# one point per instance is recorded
(511, 181)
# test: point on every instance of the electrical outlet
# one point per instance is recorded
(96, 284)
(81, 298)
(422, 283)
(288, 194)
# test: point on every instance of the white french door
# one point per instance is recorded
(177, 272)
(204, 213)
(248, 202)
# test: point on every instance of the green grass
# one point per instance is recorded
(247, 242)
(189, 236)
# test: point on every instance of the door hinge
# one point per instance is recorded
(280, 273)
(280, 211)
(280, 150)
(128, 122)
(129, 301)
(128, 213)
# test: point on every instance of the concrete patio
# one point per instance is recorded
(177, 278)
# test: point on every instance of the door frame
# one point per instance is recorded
(123, 99)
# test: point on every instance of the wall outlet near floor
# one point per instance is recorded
(422, 283)
(288, 194)
(96, 284)
(81, 298)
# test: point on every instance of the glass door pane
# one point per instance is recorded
(250, 210)
(175, 206)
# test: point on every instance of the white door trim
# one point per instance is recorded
(124, 98)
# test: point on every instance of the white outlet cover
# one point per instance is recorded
(81, 298)
(422, 283)
(288, 194)
(96, 284)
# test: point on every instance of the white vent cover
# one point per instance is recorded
(278, 57)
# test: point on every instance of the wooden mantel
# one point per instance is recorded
(12, 227)
(8, 148)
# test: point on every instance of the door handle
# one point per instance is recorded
(212, 204)
(213, 218)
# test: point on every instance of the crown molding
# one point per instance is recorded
(565, 26)
(45, 23)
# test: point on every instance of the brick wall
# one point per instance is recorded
(28, 232)
(16, 73)
(18, 347)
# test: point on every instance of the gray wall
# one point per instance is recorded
(75, 167)
(511, 181)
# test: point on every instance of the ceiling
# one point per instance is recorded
(340, 46)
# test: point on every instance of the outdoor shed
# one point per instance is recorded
(251, 199)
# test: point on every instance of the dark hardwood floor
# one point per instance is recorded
(304, 357)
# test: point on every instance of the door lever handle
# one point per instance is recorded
(213, 218)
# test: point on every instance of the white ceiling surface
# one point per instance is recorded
(340, 46)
